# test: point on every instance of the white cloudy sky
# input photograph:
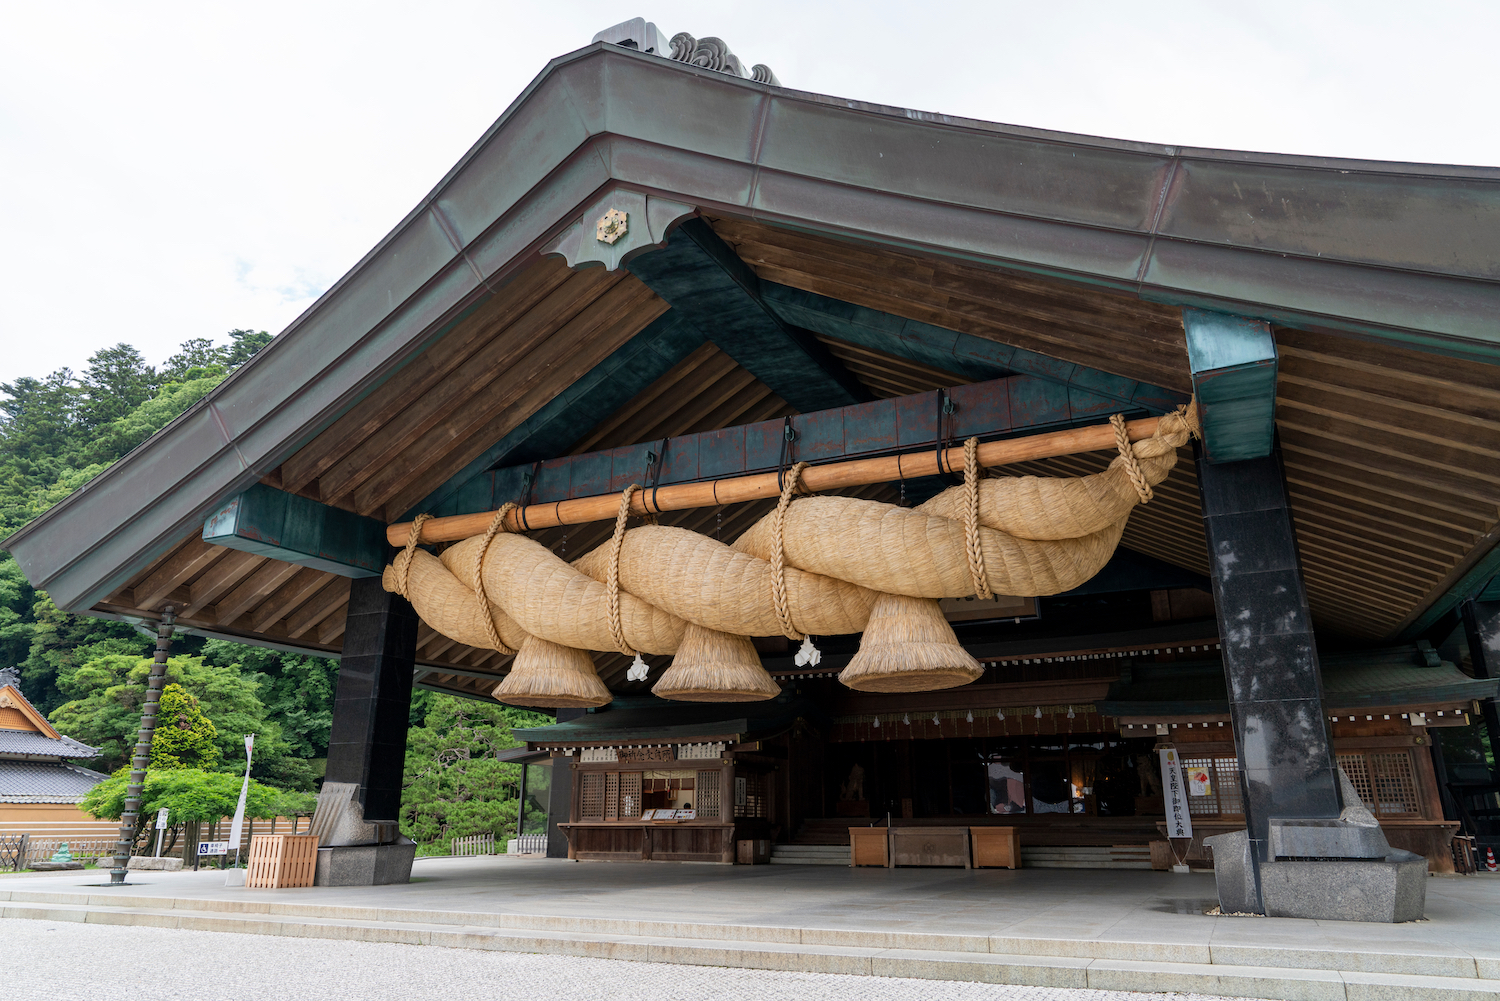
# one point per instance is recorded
(176, 170)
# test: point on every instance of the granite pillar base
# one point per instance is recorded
(365, 865)
(1388, 889)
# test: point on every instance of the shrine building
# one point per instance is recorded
(829, 465)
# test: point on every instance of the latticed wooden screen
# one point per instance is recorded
(1385, 780)
(630, 795)
(591, 796)
(612, 796)
(708, 794)
(749, 796)
(1224, 778)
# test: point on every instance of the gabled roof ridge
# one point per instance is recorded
(11, 697)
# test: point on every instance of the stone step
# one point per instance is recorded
(810, 855)
(1095, 965)
(1086, 857)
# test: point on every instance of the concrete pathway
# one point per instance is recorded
(1102, 929)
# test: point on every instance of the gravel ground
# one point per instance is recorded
(62, 961)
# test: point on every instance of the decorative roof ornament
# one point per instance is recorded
(611, 226)
(712, 53)
(709, 53)
(10, 676)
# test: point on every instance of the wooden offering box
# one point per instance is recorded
(930, 846)
(278, 861)
(869, 846)
(996, 847)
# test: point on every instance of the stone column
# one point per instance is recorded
(1287, 769)
(1482, 626)
(560, 794)
(372, 706)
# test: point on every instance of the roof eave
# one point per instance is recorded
(606, 116)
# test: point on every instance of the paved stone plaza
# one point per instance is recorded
(1102, 929)
(41, 967)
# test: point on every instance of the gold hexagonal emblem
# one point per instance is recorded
(612, 225)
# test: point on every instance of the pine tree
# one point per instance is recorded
(184, 738)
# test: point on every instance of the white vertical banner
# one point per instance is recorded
(1174, 791)
(239, 811)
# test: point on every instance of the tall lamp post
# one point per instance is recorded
(143, 745)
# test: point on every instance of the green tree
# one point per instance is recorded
(116, 382)
(184, 737)
(454, 786)
(108, 716)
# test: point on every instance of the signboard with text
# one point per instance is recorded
(1174, 791)
(213, 848)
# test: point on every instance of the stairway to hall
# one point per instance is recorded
(819, 841)
(825, 841)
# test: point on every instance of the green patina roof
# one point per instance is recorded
(648, 718)
(1389, 677)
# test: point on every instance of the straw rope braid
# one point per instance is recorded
(612, 576)
(1132, 464)
(1040, 535)
(778, 554)
(1188, 414)
(413, 539)
(497, 525)
(971, 521)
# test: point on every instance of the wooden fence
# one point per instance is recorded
(477, 844)
(531, 844)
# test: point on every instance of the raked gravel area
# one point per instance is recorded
(63, 961)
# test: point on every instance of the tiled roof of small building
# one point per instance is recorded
(28, 742)
(45, 781)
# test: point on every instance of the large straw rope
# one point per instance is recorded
(1027, 536)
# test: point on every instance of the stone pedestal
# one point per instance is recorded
(1390, 888)
(155, 863)
(365, 865)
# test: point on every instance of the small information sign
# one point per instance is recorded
(213, 848)
(161, 819)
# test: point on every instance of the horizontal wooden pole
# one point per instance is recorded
(763, 486)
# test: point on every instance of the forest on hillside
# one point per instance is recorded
(88, 675)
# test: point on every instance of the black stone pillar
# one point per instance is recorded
(372, 707)
(1287, 769)
(1482, 627)
(560, 795)
(559, 806)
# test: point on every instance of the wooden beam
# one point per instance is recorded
(255, 588)
(229, 570)
(764, 486)
(333, 596)
(191, 557)
(303, 586)
(703, 278)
